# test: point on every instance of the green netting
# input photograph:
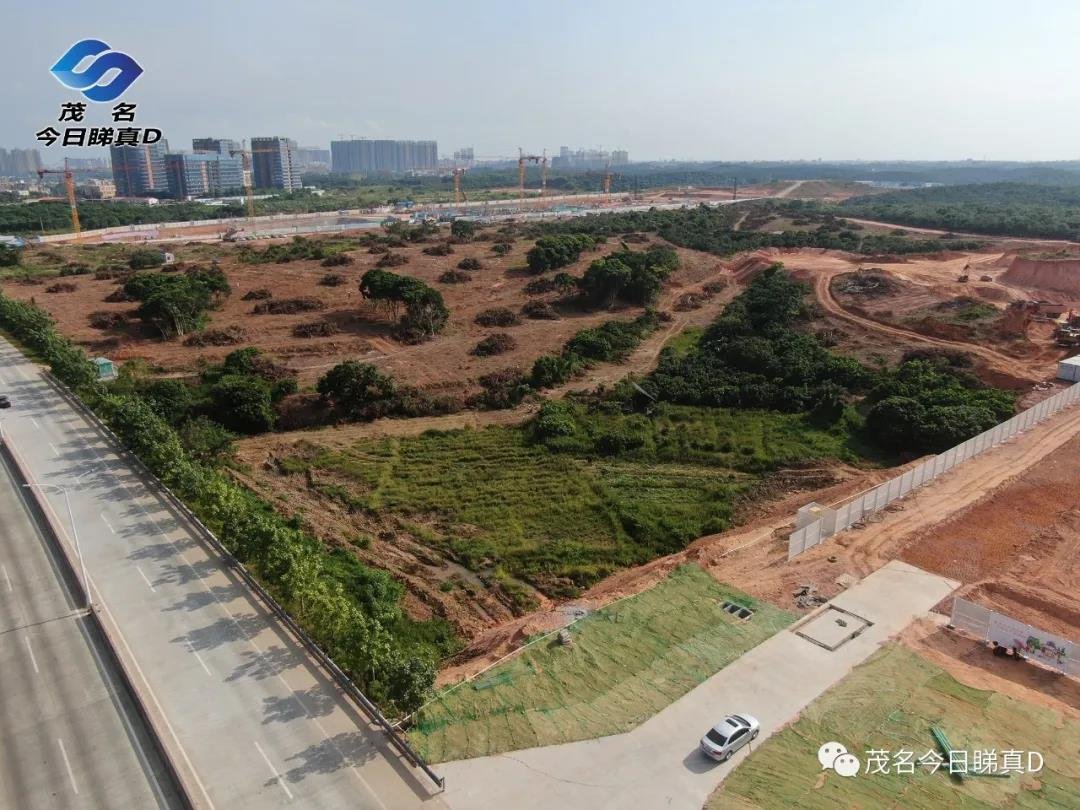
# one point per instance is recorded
(627, 662)
(891, 702)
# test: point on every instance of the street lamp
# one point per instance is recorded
(75, 537)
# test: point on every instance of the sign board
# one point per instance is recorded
(1048, 650)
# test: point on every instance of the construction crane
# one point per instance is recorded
(459, 195)
(249, 193)
(540, 160)
(69, 186)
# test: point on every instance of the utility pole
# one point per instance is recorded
(75, 539)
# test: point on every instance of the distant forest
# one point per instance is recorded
(1000, 209)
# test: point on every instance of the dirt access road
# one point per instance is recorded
(825, 267)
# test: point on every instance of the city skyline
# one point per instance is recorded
(779, 81)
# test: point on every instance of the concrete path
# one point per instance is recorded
(72, 736)
(255, 721)
(658, 764)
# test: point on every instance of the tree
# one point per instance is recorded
(9, 256)
(462, 229)
(357, 389)
(242, 403)
(553, 252)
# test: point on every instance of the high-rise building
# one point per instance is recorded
(273, 163)
(466, 155)
(312, 157)
(203, 174)
(140, 170)
(96, 189)
(588, 158)
(19, 162)
(365, 155)
(222, 146)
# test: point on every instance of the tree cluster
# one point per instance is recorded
(425, 314)
(176, 303)
(629, 276)
(553, 252)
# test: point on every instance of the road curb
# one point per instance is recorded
(183, 776)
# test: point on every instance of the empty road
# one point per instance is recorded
(253, 722)
(71, 734)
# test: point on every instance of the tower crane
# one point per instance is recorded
(249, 193)
(542, 161)
(69, 186)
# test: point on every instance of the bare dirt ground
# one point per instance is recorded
(753, 557)
(924, 281)
(441, 364)
(972, 663)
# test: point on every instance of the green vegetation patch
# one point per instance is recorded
(890, 703)
(627, 662)
(563, 512)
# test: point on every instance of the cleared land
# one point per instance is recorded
(626, 662)
(890, 703)
(483, 524)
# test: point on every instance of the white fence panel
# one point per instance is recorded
(899, 486)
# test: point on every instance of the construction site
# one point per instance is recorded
(441, 501)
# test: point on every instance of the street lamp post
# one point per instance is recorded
(75, 538)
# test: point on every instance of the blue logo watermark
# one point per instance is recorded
(106, 61)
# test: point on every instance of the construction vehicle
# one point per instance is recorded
(69, 186)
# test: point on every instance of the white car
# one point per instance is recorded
(728, 736)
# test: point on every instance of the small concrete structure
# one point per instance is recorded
(1069, 369)
(106, 369)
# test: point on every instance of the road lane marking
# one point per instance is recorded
(148, 583)
(67, 764)
(33, 660)
(195, 652)
(106, 520)
(7, 579)
(274, 771)
(55, 451)
(35, 423)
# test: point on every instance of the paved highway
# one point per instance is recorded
(71, 734)
(253, 721)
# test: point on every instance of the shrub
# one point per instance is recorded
(74, 270)
(229, 336)
(469, 263)
(118, 296)
(314, 329)
(357, 390)
(332, 280)
(337, 260)
(145, 258)
(503, 389)
(454, 277)
(550, 370)
(242, 403)
(392, 260)
(289, 306)
(501, 248)
(540, 310)
(441, 249)
(498, 316)
(378, 250)
(258, 294)
(497, 343)
(61, 287)
(9, 256)
(539, 286)
(107, 320)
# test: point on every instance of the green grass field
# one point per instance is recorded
(889, 703)
(627, 662)
(507, 507)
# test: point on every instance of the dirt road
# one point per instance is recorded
(1020, 369)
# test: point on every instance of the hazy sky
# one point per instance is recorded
(693, 79)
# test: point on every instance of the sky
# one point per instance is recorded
(683, 79)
